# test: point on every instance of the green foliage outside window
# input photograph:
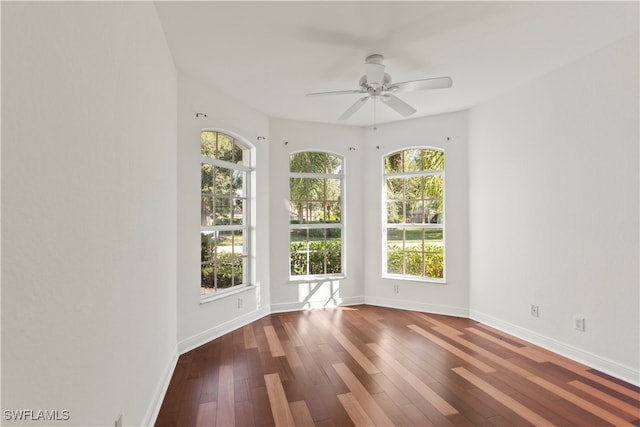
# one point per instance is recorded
(324, 257)
(414, 260)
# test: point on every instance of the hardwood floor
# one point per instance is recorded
(374, 366)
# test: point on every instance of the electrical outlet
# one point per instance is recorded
(396, 289)
(118, 422)
(578, 323)
(535, 310)
(240, 302)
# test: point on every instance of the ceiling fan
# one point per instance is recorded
(377, 84)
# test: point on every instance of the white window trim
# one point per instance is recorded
(246, 227)
(340, 226)
(386, 225)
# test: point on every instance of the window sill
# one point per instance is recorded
(319, 278)
(416, 279)
(226, 293)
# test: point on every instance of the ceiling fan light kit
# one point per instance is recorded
(376, 84)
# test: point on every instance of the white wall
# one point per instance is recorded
(554, 210)
(303, 136)
(88, 210)
(199, 323)
(448, 132)
(363, 167)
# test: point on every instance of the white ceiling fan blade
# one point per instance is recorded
(355, 107)
(336, 92)
(435, 83)
(398, 105)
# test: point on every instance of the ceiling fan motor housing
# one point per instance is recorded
(365, 85)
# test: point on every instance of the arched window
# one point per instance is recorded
(315, 214)
(224, 212)
(414, 214)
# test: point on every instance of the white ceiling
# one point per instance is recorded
(267, 55)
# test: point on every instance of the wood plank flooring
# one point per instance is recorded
(374, 366)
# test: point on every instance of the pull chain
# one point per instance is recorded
(375, 99)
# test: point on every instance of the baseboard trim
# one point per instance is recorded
(418, 306)
(210, 334)
(610, 367)
(308, 305)
(158, 395)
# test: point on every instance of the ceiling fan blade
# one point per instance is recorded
(435, 83)
(336, 92)
(355, 107)
(398, 105)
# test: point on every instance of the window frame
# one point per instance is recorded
(246, 166)
(386, 226)
(326, 225)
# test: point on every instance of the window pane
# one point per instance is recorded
(206, 178)
(434, 259)
(207, 278)
(297, 189)
(395, 214)
(222, 209)
(434, 193)
(238, 154)
(395, 236)
(298, 162)
(237, 186)
(301, 237)
(222, 177)
(316, 262)
(207, 246)
(412, 160)
(413, 239)
(319, 163)
(395, 260)
(334, 234)
(432, 160)
(416, 214)
(238, 212)
(332, 189)
(315, 188)
(312, 162)
(316, 238)
(334, 256)
(415, 187)
(393, 163)
(333, 212)
(295, 214)
(414, 262)
(208, 143)
(223, 272)
(395, 188)
(206, 210)
(298, 252)
(323, 163)
(225, 147)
